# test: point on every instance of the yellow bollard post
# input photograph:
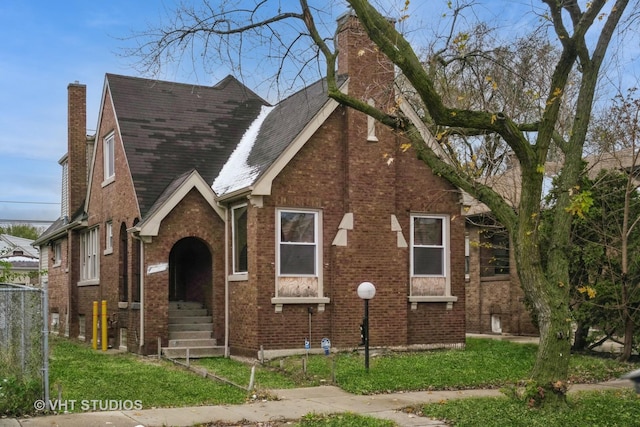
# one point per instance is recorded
(104, 325)
(94, 335)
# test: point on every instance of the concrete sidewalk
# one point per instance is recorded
(292, 404)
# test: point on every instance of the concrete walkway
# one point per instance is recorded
(292, 404)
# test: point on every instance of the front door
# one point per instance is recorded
(190, 270)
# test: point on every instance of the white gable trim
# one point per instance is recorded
(428, 138)
(262, 186)
(151, 225)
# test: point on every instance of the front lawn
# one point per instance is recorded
(484, 363)
(84, 374)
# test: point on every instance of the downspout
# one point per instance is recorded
(141, 344)
(226, 282)
(135, 233)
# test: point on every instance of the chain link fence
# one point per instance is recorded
(22, 340)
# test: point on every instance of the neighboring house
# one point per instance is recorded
(494, 298)
(10, 243)
(209, 219)
(22, 257)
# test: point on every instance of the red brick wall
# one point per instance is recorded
(500, 296)
(58, 285)
(336, 177)
(193, 217)
(113, 202)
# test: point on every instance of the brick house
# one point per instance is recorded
(495, 302)
(207, 206)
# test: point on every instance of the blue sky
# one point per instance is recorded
(45, 46)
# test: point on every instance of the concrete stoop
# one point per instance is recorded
(190, 332)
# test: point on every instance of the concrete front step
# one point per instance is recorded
(180, 305)
(180, 312)
(175, 327)
(194, 342)
(194, 352)
(190, 335)
(190, 319)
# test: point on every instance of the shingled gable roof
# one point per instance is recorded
(171, 196)
(274, 144)
(169, 128)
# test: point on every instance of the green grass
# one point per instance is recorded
(342, 420)
(85, 374)
(240, 373)
(603, 408)
(484, 363)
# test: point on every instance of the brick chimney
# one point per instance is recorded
(371, 72)
(77, 146)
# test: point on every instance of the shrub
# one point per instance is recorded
(17, 395)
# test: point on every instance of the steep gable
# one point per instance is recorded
(285, 123)
(168, 128)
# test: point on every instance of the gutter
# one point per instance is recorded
(61, 232)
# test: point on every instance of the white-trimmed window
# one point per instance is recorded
(429, 262)
(297, 243)
(89, 244)
(428, 246)
(57, 254)
(299, 258)
(239, 242)
(108, 238)
(371, 124)
(467, 257)
(109, 157)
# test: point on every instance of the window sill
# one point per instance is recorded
(238, 277)
(448, 299)
(56, 264)
(90, 282)
(496, 278)
(108, 251)
(279, 302)
(108, 181)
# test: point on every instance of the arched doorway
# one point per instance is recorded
(190, 270)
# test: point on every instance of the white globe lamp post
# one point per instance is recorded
(366, 291)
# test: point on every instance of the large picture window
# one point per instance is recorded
(89, 255)
(298, 243)
(240, 260)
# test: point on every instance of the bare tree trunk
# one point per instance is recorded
(628, 337)
(580, 336)
(550, 302)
